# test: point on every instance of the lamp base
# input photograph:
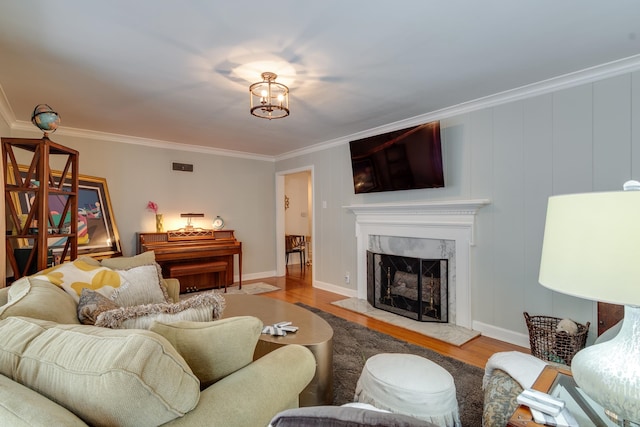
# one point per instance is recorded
(619, 421)
(609, 372)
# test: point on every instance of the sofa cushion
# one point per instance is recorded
(125, 263)
(206, 345)
(199, 308)
(106, 377)
(17, 404)
(30, 297)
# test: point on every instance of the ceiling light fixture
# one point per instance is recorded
(269, 100)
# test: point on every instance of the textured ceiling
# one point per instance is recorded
(179, 71)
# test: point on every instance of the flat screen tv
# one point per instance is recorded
(405, 159)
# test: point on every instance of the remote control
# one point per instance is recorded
(564, 419)
(538, 395)
(281, 324)
(289, 328)
(540, 405)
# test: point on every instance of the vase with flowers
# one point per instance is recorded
(159, 220)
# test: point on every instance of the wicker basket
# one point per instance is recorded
(549, 344)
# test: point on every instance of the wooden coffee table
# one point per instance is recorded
(314, 333)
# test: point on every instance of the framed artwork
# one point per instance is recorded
(97, 231)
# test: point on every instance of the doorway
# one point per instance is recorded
(294, 216)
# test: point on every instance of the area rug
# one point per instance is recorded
(353, 344)
(447, 332)
(247, 288)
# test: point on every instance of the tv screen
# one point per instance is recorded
(401, 160)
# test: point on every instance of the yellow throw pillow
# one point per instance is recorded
(75, 275)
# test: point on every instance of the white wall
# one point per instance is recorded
(585, 138)
(240, 190)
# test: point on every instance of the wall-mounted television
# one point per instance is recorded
(405, 159)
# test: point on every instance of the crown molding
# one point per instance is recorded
(588, 75)
(126, 139)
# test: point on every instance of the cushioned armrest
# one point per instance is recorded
(213, 349)
(173, 288)
(253, 395)
(4, 296)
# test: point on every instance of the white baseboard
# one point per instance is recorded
(255, 276)
(350, 293)
(501, 334)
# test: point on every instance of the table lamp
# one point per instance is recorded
(591, 250)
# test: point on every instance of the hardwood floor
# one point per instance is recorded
(296, 286)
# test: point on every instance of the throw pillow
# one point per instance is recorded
(206, 345)
(141, 285)
(105, 377)
(199, 308)
(143, 259)
(91, 304)
(75, 275)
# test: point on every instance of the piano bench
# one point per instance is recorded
(177, 270)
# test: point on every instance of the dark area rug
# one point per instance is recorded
(353, 344)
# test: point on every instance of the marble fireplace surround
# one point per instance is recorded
(451, 220)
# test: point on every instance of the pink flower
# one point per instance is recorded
(153, 207)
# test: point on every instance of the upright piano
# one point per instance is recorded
(206, 255)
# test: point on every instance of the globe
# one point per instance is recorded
(45, 118)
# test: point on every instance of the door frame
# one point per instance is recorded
(280, 219)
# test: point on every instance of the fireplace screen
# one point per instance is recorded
(412, 287)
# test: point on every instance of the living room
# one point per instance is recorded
(572, 132)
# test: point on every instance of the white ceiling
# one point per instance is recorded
(165, 70)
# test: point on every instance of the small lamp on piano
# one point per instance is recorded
(190, 216)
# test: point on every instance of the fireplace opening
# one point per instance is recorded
(412, 287)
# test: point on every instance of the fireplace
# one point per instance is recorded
(411, 287)
(449, 225)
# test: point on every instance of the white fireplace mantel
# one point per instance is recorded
(448, 220)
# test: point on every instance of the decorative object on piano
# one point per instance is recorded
(190, 216)
(218, 223)
(45, 118)
(159, 218)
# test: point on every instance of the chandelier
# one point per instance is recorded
(269, 100)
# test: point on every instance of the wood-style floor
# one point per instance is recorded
(296, 286)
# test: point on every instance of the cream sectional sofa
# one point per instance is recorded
(56, 371)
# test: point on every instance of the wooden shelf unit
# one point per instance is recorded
(28, 192)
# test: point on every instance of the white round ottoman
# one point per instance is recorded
(410, 385)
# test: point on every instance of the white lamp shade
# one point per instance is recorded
(591, 246)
